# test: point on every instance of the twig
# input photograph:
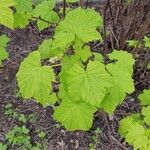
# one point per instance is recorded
(104, 24)
(121, 145)
(64, 8)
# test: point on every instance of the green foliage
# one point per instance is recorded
(3, 44)
(95, 140)
(21, 20)
(12, 114)
(121, 79)
(34, 80)
(3, 146)
(147, 42)
(78, 23)
(19, 136)
(134, 133)
(146, 114)
(46, 12)
(136, 128)
(133, 43)
(6, 14)
(23, 5)
(45, 49)
(145, 97)
(148, 66)
(75, 115)
(86, 83)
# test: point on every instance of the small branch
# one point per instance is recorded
(64, 8)
(118, 143)
(87, 2)
(104, 24)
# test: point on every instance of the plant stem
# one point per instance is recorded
(46, 21)
(64, 8)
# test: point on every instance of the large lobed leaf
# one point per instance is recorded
(75, 116)
(34, 80)
(89, 84)
(121, 78)
(78, 23)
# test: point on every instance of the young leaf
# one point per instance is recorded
(124, 59)
(45, 11)
(6, 14)
(136, 136)
(45, 49)
(125, 124)
(83, 54)
(89, 84)
(23, 6)
(75, 116)
(122, 81)
(34, 80)
(114, 97)
(145, 97)
(120, 77)
(133, 43)
(146, 114)
(147, 42)
(21, 20)
(98, 57)
(3, 43)
(79, 23)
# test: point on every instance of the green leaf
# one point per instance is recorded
(23, 6)
(3, 147)
(145, 97)
(147, 42)
(3, 43)
(45, 49)
(75, 116)
(21, 20)
(79, 23)
(133, 43)
(122, 82)
(124, 59)
(34, 80)
(67, 63)
(136, 136)
(146, 114)
(98, 57)
(125, 124)
(121, 77)
(72, 1)
(114, 97)
(83, 54)
(6, 14)
(62, 41)
(89, 84)
(45, 11)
